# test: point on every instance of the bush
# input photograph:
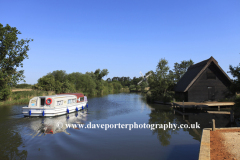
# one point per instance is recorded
(149, 97)
(237, 102)
(131, 87)
(236, 107)
(24, 85)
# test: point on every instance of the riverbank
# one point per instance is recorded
(223, 143)
(22, 96)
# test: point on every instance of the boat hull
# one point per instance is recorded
(52, 111)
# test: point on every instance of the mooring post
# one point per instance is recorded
(213, 125)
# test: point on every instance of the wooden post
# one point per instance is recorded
(183, 106)
(174, 111)
(213, 125)
(218, 108)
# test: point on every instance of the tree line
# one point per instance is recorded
(90, 83)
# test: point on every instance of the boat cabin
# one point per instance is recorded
(80, 96)
(53, 101)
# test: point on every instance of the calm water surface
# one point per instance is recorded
(42, 138)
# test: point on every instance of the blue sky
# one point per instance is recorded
(123, 36)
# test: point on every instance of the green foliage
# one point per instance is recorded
(110, 88)
(98, 74)
(126, 81)
(82, 82)
(236, 107)
(149, 97)
(162, 81)
(131, 87)
(235, 71)
(47, 83)
(180, 69)
(23, 97)
(117, 86)
(59, 75)
(5, 91)
(143, 86)
(90, 82)
(23, 85)
(12, 53)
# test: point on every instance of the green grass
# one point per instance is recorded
(23, 97)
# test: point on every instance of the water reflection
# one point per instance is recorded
(163, 115)
(10, 139)
(203, 118)
(43, 126)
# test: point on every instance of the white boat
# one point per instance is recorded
(55, 105)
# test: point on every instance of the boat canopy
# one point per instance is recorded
(80, 96)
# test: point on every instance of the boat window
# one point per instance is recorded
(69, 101)
(59, 103)
(81, 98)
(73, 100)
(42, 101)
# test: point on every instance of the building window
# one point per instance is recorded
(210, 75)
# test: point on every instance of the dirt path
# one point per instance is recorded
(15, 90)
(225, 144)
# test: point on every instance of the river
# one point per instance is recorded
(49, 138)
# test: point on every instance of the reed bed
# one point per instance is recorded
(23, 97)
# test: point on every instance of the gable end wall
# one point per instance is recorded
(199, 90)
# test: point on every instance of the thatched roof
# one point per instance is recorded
(194, 72)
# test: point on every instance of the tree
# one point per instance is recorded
(99, 74)
(131, 87)
(143, 86)
(235, 71)
(59, 75)
(235, 87)
(180, 69)
(161, 77)
(12, 53)
(160, 82)
(47, 83)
